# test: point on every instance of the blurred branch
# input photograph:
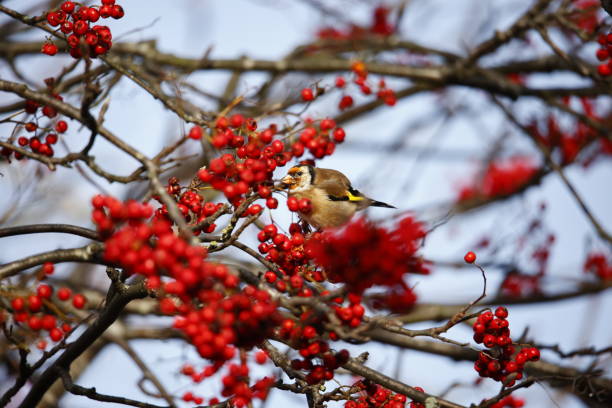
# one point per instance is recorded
(603, 234)
(55, 228)
(88, 253)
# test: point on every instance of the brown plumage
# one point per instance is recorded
(334, 200)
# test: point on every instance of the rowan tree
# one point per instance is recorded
(142, 213)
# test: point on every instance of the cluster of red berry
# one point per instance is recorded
(598, 264)
(585, 15)
(289, 254)
(31, 125)
(319, 140)
(189, 396)
(227, 317)
(328, 362)
(509, 402)
(377, 396)
(380, 26)
(517, 284)
(379, 256)
(570, 143)
(235, 383)
(256, 156)
(191, 205)
(303, 206)
(501, 362)
(352, 314)
(37, 312)
(604, 54)
(387, 95)
(500, 178)
(308, 338)
(74, 24)
(242, 319)
(397, 299)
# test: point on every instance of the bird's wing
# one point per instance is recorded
(336, 186)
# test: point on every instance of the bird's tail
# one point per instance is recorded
(375, 203)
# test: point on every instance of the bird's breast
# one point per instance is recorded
(325, 212)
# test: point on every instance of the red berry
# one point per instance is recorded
(117, 12)
(93, 14)
(44, 291)
(270, 277)
(222, 123)
(31, 106)
(48, 322)
(261, 357)
(327, 124)
(339, 135)
(307, 94)
(67, 27)
(48, 268)
(501, 312)
(61, 126)
(236, 120)
(254, 209)
(35, 323)
(56, 334)
(81, 27)
(17, 304)
(292, 204)
(49, 111)
(264, 191)
(51, 138)
(604, 70)
(67, 7)
(533, 354)
(602, 54)
(470, 257)
(272, 203)
(30, 127)
(195, 133)
(345, 102)
(54, 18)
(64, 294)
(78, 301)
(340, 82)
(106, 11)
(278, 146)
(304, 206)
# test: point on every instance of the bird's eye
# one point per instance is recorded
(299, 173)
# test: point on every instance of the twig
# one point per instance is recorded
(91, 393)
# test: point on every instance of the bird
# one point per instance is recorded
(334, 200)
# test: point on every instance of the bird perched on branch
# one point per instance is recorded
(334, 201)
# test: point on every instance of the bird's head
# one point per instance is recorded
(298, 178)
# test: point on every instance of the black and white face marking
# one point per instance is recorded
(299, 178)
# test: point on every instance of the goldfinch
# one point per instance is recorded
(334, 201)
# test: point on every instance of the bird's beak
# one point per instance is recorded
(287, 181)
